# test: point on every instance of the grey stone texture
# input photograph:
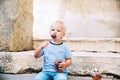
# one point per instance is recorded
(83, 63)
(19, 62)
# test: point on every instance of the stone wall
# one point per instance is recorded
(16, 23)
(93, 18)
(84, 18)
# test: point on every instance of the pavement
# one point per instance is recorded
(31, 76)
(17, 76)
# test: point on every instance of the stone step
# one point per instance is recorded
(83, 63)
(15, 62)
(31, 77)
(88, 44)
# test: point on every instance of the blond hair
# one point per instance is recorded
(59, 23)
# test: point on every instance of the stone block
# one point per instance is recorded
(16, 22)
(88, 44)
(85, 62)
(94, 44)
(19, 62)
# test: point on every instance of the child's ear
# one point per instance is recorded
(64, 33)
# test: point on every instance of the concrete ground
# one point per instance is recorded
(31, 76)
(17, 76)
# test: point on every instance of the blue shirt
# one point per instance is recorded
(54, 52)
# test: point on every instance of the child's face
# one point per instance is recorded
(57, 32)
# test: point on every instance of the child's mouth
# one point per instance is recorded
(53, 36)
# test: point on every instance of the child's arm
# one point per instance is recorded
(38, 51)
(65, 64)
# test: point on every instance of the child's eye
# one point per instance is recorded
(52, 30)
(58, 30)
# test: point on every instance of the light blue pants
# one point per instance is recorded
(51, 76)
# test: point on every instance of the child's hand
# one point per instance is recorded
(38, 51)
(61, 66)
(44, 44)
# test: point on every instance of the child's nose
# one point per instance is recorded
(55, 31)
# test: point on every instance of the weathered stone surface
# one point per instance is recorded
(83, 63)
(5, 25)
(16, 22)
(19, 62)
(89, 44)
(5, 62)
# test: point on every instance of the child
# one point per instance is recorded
(57, 56)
